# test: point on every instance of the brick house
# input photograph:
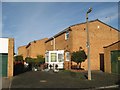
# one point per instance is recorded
(112, 58)
(22, 51)
(74, 37)
(33, 49)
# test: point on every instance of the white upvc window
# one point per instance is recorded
(53, 57)
(47, 57)
(67, 55)
(60, 57)
(67, 35)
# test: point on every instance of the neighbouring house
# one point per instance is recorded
(112, 58)
(22, 51)
(74, 37)
(33, 49)
(6, 56)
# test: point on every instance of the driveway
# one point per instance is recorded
(64, 79)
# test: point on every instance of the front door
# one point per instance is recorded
(102, 62)
(115, 61)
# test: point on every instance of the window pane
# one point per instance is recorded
(53, 57)
(46, 57)
(67, 56)
(67, 35)
(60, 57)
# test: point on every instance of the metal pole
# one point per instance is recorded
(88, 48)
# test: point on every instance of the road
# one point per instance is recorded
(63, 79)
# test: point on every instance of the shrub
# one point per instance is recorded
(79, 57)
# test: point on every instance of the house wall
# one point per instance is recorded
(61, 44)
(22, 51)
(37, 48)
(100, 36)
(107, 55)
(49, 45)
(33, 49)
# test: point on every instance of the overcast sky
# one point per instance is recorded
(29, 21)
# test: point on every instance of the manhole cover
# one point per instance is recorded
(43, 81)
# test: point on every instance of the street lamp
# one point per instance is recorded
(88, 45)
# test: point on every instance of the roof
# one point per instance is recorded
(67, 29)
(112, 44)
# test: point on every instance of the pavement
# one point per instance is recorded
(6, 82)
(63, 79)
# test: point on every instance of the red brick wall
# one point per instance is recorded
(100, 36)
(22, 51)
(35, 48)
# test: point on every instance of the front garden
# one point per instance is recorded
(29, 64)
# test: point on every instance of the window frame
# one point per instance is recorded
(67, 55)
(55, 56)
(67, 35)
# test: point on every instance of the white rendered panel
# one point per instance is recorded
(3, 45)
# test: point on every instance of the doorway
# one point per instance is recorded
(102, 62)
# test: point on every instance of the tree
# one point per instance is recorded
(35, 62)
(18, 58)
(29, 60)
(79, 57)
(40, 59)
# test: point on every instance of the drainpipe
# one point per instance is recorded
(53, 43)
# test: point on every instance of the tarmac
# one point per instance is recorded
(41, 79)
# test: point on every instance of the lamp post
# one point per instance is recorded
(88, 45)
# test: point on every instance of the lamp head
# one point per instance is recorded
(90, 9)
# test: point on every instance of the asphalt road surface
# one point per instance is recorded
(65, 79)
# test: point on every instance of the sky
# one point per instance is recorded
(29, 21)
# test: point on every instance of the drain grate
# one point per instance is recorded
(43, 81)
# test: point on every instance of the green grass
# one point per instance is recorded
(73, 75)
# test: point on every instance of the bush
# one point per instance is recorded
(40, 59)
(79, 57)
(18, 58)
